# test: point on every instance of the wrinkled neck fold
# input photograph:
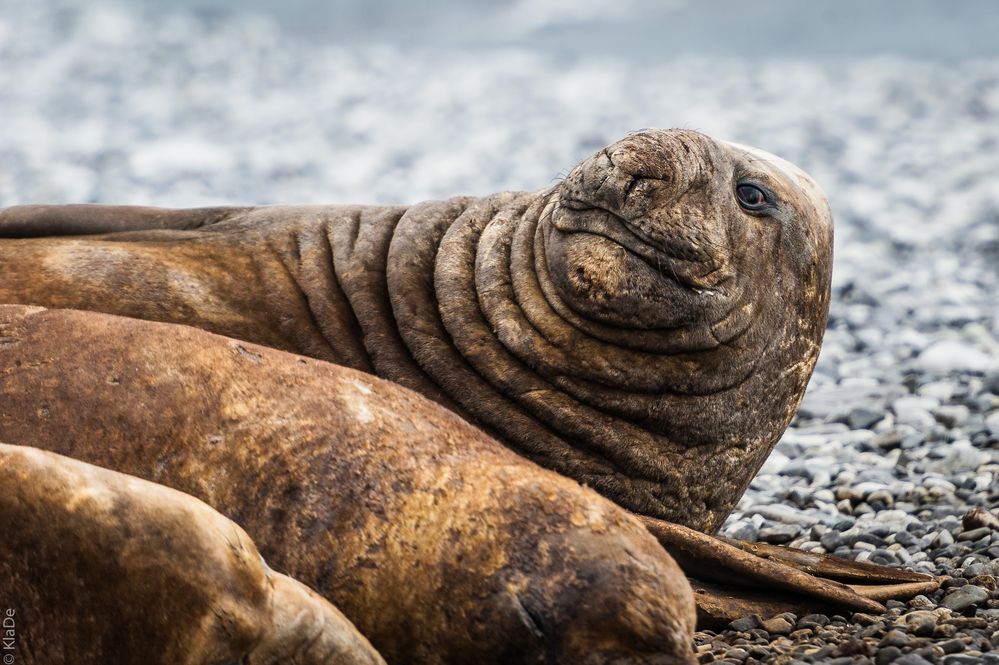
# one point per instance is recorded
(660, 427)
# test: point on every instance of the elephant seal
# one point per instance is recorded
(100, 567)
(647, 326)
(440, 544)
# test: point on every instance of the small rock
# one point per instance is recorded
(887, 655)
(951, 646)
(955, 583)
(921, 623)
(882, 497)
(894, 638)
(831, 540)
(777, 626)
(913, 416)
(863, 509)
(888, 440)
(941, 390)
(984, 581)
(961, 456)
(952, 415)
(813, 621)
(862, 417)
(943, 539)
(737, 653)
(939, 483)
(961, 659)
(965, 597)
(779, 534)
(911, 659)
(785, 514)
(945, 630)
(975, 569)
(801, 635)
(746, 623)
(743, 530)
(865, 619)
(875, 629)
(954, 356)
(974, 534)
(965, 623)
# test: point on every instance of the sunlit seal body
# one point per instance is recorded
(647, 326)
(437, 542)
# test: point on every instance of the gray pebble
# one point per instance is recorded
(975, 534)
(745, 623)
(952, 646)
(744, 531)
(887, 655)
(965, 597)
(737, 653)
(862, 417)
(831, 540)
(911, 659)
(894, 638)
(779, 534)
(943, 539)
(952, 415)
(813, 621)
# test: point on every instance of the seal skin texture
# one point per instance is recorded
(100, 567)
(637, 327)
(440, 544)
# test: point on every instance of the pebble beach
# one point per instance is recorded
(893, 456)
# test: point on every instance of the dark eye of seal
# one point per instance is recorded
(751, 197)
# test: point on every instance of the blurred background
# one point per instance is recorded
(893, 106)
(185, 102)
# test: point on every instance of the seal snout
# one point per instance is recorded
(656, 184)
(637, 237)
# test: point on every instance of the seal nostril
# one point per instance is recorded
(631, 186)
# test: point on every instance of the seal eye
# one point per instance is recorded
(751, 197)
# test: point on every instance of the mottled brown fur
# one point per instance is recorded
(441, 545)
(632, 327)
(99, 567)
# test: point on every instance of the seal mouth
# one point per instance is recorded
(687, 265)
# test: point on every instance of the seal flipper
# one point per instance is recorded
(733, 578)
(830, 567)
(36, 221)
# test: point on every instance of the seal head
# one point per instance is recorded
(678, 286)
(674, 230)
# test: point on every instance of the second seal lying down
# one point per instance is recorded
(439, 544)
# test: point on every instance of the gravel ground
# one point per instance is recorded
(898, 436)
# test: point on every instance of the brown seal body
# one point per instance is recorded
(647, 326)
(440, 544)
(99, 567)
